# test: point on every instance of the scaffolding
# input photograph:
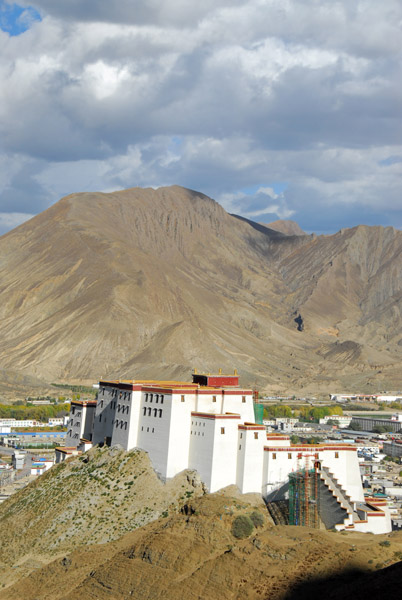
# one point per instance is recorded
(304, 497)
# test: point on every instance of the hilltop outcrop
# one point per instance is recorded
(150, 283)
(95, 498)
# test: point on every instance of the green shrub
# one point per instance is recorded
(385, 543)
(242, 526)
(257, 519)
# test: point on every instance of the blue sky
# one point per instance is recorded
(276, 109)
(15, 19)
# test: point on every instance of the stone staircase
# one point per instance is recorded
(336, 506)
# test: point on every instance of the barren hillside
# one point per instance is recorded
(153, 283)
(193, 553)
(95, 498)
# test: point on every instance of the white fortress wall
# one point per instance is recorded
(343, 463)
(183, 403)
(87, 421)
(154, 427)
(75, 425)
(224, 463)
(239, 402)
(121, 421)
(134, 417)
(201, 452)
(250, 457)
(208, 401)
(104, 414)
(80, 421)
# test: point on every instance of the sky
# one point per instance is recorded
(277, 109)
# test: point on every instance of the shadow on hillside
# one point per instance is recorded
(272, 233)
(351, 584)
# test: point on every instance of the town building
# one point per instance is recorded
(209, 425)
(342, 421)
(369, 423)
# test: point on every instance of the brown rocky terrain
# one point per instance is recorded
(193, 553)
(145, 283)
(285, 226)
(91, 499)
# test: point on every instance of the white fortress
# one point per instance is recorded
(209, 425)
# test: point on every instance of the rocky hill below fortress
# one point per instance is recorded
(151, 283)
(103, 526)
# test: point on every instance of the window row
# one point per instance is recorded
(121, 424)
(123, 408)
(148, 428)
(152, 397)
(196, 423)
(148, 411)
(195, 433)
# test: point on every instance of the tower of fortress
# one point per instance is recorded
(209, 425)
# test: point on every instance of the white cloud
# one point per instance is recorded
(97, 94)
(11, 220)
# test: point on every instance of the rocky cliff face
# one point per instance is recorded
(152, 283)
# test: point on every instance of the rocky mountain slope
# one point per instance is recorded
(95, 498)
(285, 226)
(145, 283)
(193, 553)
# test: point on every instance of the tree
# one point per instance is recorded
(355, 426)
(382, 429)
(242, 526)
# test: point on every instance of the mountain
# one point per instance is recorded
(190, 551)
(150, 283)
(285, 226)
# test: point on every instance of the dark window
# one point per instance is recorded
(155, 412)
(146, 397)
(149, 411)
(100, 418)
(243, 398)
(274, 455)
(161, 399)
(213, 398)
(182, 398)
(222, 430)
(145, 410)
(160, 413)
(150, 397)
(156, 398)
(336, 454)
(256, 435)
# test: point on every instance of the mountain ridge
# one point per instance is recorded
(154, 282)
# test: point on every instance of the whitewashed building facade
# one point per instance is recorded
(208, 425)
